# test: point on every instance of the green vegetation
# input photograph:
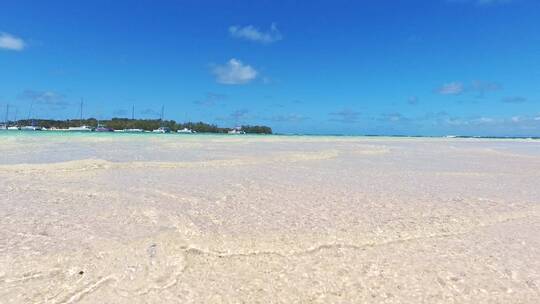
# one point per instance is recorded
(257, 129)
(145, 124)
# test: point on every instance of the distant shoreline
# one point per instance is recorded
(125, 124)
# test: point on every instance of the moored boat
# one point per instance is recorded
(103, 129)
(162, 130)
(80, 129)
(30, 128)
(132, 130)
(185, 131)
(237, 131)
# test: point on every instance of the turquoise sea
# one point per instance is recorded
(75, 134)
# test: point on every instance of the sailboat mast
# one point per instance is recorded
(7, 116)
(133, 112)
(161, 118)
(30, 112)
(80, 120)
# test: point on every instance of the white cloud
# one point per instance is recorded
(345, 116)
(288, 118)
(393, 117)
(484, 120)
(254, 34)
(234, 72)
(516, 118)
(151, 113)
(488, 2)
(211, 99)
(477, 87)
(482, 87)
(44, 97)
(514, 99)
(453, 88)
(10, 42)
(481, 2)
(236, 116)
(413, 100)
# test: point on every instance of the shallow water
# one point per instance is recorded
(146, 218)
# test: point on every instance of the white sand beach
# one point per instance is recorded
(268, 219)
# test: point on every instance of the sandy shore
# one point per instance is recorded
(205, 219)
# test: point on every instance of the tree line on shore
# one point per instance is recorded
(145, 124)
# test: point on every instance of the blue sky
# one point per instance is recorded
(431, 67)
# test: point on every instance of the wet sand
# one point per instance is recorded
(233, 219)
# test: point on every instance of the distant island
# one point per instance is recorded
(144, 124)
